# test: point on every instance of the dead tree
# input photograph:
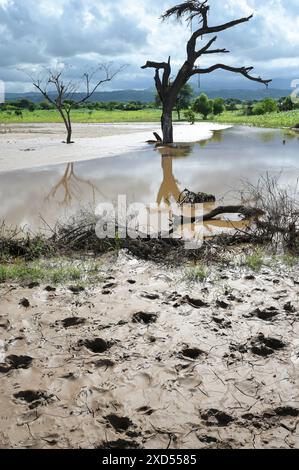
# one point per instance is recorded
(167, 89)
(63, 95)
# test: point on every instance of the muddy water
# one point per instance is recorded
(150, 176)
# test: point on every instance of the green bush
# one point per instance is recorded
(202, 105)
(218, 106)
(268, 105)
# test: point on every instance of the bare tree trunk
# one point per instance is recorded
(179, 113)
(69, 135)
(69, 129)
(167, 126)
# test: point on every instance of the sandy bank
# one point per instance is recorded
(32, 145)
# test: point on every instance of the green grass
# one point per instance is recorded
(255, 261)
(54, 272)
(197, 273)
(290, 260)
(271, 120)
(82, 116)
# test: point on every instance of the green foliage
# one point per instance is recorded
(286, 104)
(197, 273)
(185, 97)
(56, 272)
(45, 105)
(268, 105)
(218, 106)
(149, 114)
(202, 105)
(190, 116)
(183, 101)
(255, 261)
(269, 120)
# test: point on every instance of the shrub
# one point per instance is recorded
(202, 105)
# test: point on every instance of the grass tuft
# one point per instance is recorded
(197, 273)
(255, 261)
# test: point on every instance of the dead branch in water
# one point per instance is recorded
(247, 212)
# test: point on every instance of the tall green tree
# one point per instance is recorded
(202, 105)
(218, 106)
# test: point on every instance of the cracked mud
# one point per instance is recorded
(205, 365)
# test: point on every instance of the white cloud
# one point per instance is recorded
(129, 31)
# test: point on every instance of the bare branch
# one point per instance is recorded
(241, 70)
(155, 65)
(214, 29)
(217, 51)
(109, 77)
(189, 10)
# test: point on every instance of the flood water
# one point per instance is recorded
(216, 166)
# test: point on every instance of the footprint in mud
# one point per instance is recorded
(104, 363)
(4, 323)
(192, 353)
(270, 418)
(145, 410)
(287, 411)
(97, 345)
(119, 444)
(76, 289)
(222, 323)
(214, 417)
(266, 315)
(71, 322)
(289, 307)
(148, 296)
(16, 362)
(222, 304)
(207, 439)
(50, 289)
(111, 285)
(195, 303)
(34, 398)
(32, 285)
(24, 303)
(120, 424)
(145, 318)
(262, 346)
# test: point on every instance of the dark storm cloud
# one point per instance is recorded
(86, 32)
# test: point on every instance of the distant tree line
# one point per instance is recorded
(23, 104)
(186, 102)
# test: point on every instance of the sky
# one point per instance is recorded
(84, 33)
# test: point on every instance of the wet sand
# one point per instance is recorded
(144, 359)
(32, 145)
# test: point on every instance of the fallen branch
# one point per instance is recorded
(247, 212)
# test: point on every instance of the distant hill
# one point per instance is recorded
(123, 96)
(147, 96)
(246, 94)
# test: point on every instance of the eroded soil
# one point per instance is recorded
(145, 360)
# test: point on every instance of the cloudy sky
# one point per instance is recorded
(84, 33)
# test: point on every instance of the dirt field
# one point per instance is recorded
(146, 360)
(33, 145)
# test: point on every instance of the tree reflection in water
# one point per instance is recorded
(71, 186)
(170, 191)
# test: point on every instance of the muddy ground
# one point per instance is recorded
(40, 145)
(145, 359)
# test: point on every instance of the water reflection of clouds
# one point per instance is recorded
(213, 166)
